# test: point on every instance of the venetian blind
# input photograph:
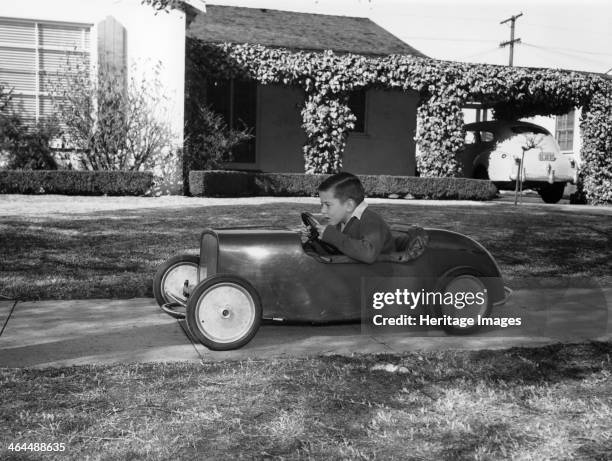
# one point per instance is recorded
(35, 54)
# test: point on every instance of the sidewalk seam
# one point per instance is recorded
(384, 344)
(190, 340)
(8, 318)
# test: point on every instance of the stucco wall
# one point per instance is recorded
(388, 145)
(280, 136)
(150, 38)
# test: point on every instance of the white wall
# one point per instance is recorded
(151, 38)
(550, 122)
(388, 146)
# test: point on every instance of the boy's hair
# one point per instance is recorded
(344, 186)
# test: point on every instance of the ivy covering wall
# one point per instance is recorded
(444, 88)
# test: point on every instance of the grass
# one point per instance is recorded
(115, 253)
(546, 403)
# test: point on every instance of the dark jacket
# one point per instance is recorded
(362, 239)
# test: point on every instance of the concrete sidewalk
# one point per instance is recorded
(77, 332)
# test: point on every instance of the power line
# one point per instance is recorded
(572, 50)
(570, 55)
(457, 39)
(451, 39)
(569, 29)
(480, 53)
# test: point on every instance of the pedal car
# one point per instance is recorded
(244, 276)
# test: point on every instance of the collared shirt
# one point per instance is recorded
(357, 212)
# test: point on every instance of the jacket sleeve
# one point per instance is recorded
(365, 249)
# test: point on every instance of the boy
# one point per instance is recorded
(354, 229)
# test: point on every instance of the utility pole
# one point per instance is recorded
(512, 40)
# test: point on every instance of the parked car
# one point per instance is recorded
(494, 149)
(243, 276)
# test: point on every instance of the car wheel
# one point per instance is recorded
(170, 278)
(224, 312)
(552, 193)
(463, 281)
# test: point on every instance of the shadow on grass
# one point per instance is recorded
(545, 403)
(119, 251)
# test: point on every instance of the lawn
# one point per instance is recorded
(547, 403)
(95, 252)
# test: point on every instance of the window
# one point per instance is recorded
(236, 101)
(32, 53)
(486, 136)
(357, 104)
(470, 137)
(564, 131)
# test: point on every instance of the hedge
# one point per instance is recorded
(217, 183)
(71, 182)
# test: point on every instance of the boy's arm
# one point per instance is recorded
(365, 249)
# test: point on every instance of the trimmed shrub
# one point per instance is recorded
(71, 182)
(217, 183)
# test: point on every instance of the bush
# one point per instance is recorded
(115, 121)
(71, 182)
(26, 145)
(208, 139)
(241, 183)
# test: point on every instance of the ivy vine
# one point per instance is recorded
(443, 88)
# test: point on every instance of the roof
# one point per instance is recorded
(297, 31)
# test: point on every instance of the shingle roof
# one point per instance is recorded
(303, 31)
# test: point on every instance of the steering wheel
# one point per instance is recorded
(327, 248)
(309, 221)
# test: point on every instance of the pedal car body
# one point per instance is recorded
(256, 274)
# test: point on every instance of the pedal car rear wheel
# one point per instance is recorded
(459, 284)
(169, 280)
(224, 312)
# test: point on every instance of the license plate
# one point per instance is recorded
(547, 156)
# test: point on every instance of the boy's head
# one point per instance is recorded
(340, 194)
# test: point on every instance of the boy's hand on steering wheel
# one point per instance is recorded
(321, 228)
(305, 233)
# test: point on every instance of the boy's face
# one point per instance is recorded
(334, 209)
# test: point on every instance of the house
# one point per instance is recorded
(37, 38)
(383, 139)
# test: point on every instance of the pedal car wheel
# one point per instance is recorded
(459, 284)
(169, 280)
(224, 312)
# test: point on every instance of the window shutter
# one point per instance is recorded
(112, 43)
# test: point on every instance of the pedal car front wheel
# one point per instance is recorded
(224, 312)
